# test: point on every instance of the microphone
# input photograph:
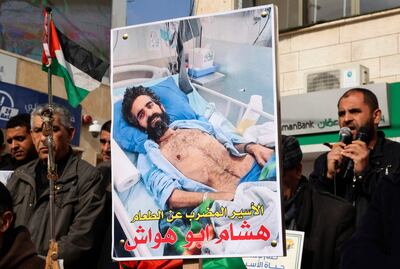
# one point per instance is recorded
(345, 135)
(362, 135)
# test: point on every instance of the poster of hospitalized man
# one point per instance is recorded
(195, 158)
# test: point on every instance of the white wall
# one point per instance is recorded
(370, 40)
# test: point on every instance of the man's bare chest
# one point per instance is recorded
(191, 144)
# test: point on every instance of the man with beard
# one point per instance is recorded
(357, 109)
(189, 161)
(19, 140)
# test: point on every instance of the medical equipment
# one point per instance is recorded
(201, 58)
(133, 74)
(250, 117)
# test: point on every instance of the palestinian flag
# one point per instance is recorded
(152, 264)
(224, 263)
(81, 70)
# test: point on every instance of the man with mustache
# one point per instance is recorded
(189, 161)
(357, 108)
(79, 194)
(19, 140)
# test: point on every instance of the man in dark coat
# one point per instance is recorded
(376, 241)
(19, 140)
(373, 158)
(326, 220)
(79, 194)
(16, 248)
(105, 261)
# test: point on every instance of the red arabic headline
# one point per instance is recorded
(197, 239)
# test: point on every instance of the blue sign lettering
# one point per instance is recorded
(15, 99)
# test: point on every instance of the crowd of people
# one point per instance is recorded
(346, 207)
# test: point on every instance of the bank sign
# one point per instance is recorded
(317, 112)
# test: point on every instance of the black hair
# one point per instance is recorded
(292, 154)
(106, 126)
(369, 97)
(129, 97)
(22, 120)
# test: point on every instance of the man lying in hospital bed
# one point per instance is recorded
(186, 153)
(191, 160)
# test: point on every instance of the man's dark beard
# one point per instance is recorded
(369, 128)
(160, 126)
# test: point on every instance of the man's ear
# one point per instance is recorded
(377, 115)
(71, 133)
(7, 219)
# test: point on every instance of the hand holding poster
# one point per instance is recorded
(208, 186)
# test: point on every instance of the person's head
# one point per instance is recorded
(358, 107)
(63, 131)
(18, 137)
(292, 156)
(105, 144)
(142, 109)
(6, 211)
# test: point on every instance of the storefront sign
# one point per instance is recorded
(317, 112)
(8, 68)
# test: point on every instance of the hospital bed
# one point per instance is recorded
(219, 109)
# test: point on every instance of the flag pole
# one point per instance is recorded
(49, 86)
(47, 130)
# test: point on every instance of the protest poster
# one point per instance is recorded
(195, 160)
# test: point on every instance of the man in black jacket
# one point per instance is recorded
(16, 248)
(357, 108)
(79, 194)
(375, 243)
(105, 261)
(326, 220)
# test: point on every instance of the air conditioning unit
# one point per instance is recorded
(344, 77)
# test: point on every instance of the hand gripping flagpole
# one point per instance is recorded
(47, 131)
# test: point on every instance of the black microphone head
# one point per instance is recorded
(345, 135)
(362, 134)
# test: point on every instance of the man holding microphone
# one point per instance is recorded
(353, 170)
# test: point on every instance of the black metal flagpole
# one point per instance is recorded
(49, 86)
